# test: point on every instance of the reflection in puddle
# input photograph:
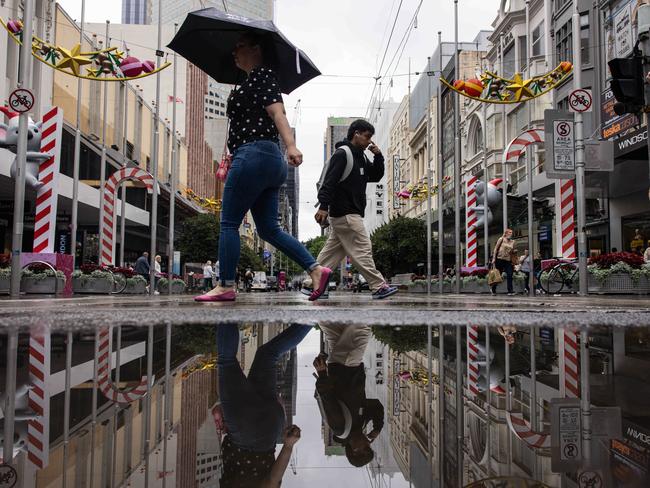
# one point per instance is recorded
(243, 405)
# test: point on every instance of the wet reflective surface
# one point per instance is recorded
(324, 404)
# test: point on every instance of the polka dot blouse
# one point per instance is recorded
(247, 109)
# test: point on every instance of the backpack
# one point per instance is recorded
(346, 172)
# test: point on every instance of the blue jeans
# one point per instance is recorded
(258, 171)
(505, 266)
(252, 414)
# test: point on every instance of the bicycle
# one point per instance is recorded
(119, 280)
(562, 275)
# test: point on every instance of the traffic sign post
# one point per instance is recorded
(21, 100)
(566, 442)
(559, 144)
(580, 100)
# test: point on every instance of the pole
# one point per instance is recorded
(154, 164)
(441, 168)
(486, 243)
(441, 405)
(116, 407)
(168, 393)
(93, 422)
(24, 81)
(459, 405)
(9, 407)
(429, 414)
(529, 167)
(504, 125)
(585, 397)
(533, 392)
(66, 407)
(77, 154)
(102, 169)
(148, 406)
(456, 154)
(488, 406)
(429, 177)
(580, 157)
(508, 406)
(125, 163)
(172, 190)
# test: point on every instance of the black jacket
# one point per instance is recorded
(347, 197)
(142, 265)
(341, 394)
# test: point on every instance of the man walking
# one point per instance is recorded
(342, 199)
(142, 266)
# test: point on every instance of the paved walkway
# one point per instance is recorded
(402, 309)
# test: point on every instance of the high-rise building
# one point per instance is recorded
(337, 130)
(176, 11)
(136, 11)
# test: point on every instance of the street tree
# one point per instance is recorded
(399, 246)
(198, 241)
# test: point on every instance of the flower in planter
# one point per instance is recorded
(5, 261)
(607, 260)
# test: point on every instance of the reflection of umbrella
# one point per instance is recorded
(207, 39)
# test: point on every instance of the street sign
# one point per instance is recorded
(396, 181)
(21, 100)
(8, 476)
(580, 100)
(559, 144)
(566, 447)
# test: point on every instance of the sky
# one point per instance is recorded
(346, 39)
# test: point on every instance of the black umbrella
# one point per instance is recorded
(207, 39)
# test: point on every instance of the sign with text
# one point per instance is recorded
(397, 400)
(566, 447)
(623, 39)
(613, 124)
(559, 144)
(630, 142)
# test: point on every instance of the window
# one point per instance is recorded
(563, 40)
(559, 4)
(476, 137)
(538, 40)
(584, 39)
(509, 62)
(523, 53)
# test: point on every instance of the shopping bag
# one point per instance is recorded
(494, 277)
(224, 166)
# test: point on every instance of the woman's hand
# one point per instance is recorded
(291, 435)
(294, 156)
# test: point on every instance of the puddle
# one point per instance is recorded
(153, 406)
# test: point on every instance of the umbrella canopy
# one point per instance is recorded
(208, 37)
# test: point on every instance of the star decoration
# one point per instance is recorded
(72, 59)
(520, 88)
(94, 72)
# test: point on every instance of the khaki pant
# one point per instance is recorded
(346, 344)
(348, 237)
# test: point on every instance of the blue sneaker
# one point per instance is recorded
(384, 292)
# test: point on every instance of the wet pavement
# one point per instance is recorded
(403, 309)
(108, 392)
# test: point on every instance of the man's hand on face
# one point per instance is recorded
(374, 149)
(291, 435)
(320, 364)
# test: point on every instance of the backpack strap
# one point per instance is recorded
(349, 164)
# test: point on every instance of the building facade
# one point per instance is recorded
(136, 11)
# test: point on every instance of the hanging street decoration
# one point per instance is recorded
(488, 87)
(419, 191)
(210, 204)
(109, 64)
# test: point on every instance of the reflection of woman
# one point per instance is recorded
(252, 413)
(257, 117)
(502, 258)
(341, 392)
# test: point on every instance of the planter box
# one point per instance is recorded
(46, 286)
(177, 288)
(138, 289)
(92, 285)
(619, 283)
(5, 283)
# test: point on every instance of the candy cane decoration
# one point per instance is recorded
(472, 359)
(104, 380)
(48, 175)
(521, 428)
(470, 221)
(519, 144)
(38, 428)
(569, 366)
(110, 194)
(565, 190)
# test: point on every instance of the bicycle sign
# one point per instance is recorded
(21, 100)
(580, 100)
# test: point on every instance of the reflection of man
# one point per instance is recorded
(341, 395)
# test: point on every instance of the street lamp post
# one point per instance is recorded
(429, 177)
(457, 161)
(172, 189)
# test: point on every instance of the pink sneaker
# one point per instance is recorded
(322, 286)
(226, 296)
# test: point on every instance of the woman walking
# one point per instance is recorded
(502, 259)
(257, 117)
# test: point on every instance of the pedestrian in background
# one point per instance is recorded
(502, 259)
(525, 268)
(208, 274)
(256, 118)
(142, 266)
